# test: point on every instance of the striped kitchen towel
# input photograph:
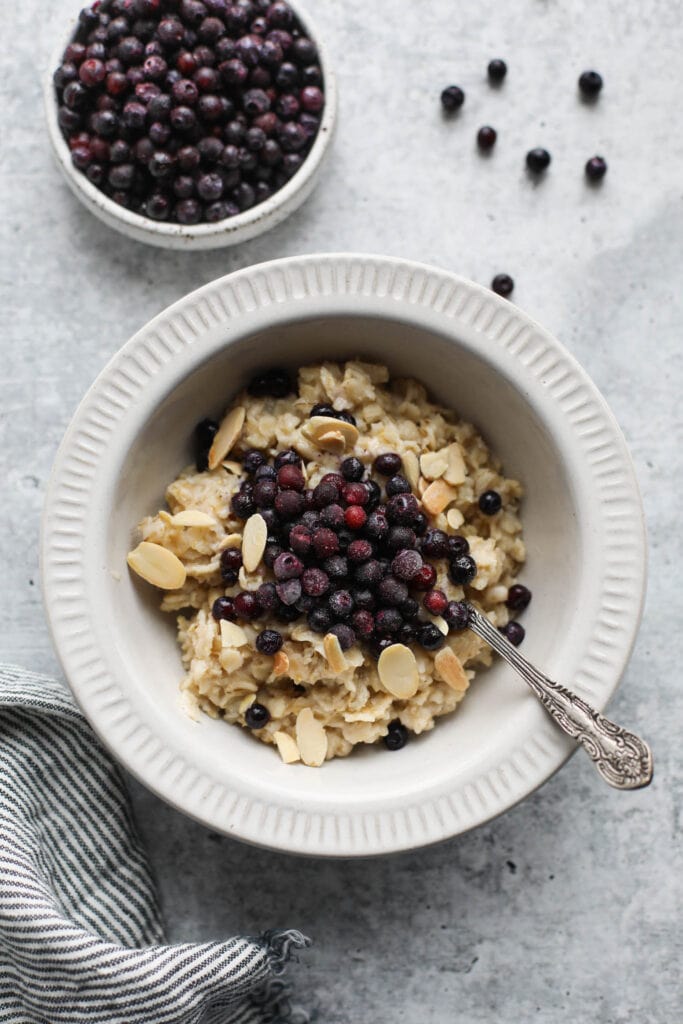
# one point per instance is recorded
(81, 939)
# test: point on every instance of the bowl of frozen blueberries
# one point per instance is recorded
(266, 523)
(191, 124)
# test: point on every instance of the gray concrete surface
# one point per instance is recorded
(569, 907)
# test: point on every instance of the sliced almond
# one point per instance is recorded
(411, 468)
(311, 738)
(192, 517)
(438, 495)
(232, 635)
(422, 485)
(319, 427)
(440, 623)
(232, 540)
(233, 467)
(246, 702)
(280, 664)
(157, 565)
(287, 748)
(254, 541)
(165, 516)
(455, 518)
(333, 653)
(433, 465)
(455, 473)
(230, 659)
(449, 667)
(331, 441)
(397, 669)
(227, 434)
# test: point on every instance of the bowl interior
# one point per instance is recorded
(498, 708)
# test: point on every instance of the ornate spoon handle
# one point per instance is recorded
(622, 758)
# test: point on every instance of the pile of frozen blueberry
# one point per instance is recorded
(538, 159)
(351, 555)
(189, 110)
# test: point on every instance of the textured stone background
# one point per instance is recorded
(568, 908)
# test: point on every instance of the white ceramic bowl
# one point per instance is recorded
(477, 353)
(232, 231)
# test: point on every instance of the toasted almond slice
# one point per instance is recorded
(280, 663)
(433, 465)
(157, 565)
(165, 516)
(311, 738)
(455, 473)
(422, 485)
(227, 434)
(230, 659)
(233, 467)
(332, 441)
(287, 748)
(333, 653)
(455, 518)
(192, 517)
(411, 468)
(232, 635)
(246, 702)
(449, 667)
(397, 671)
(319, 426)
(440, 623)
(438, 495)
(254, 541)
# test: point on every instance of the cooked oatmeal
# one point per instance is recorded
(316, 691)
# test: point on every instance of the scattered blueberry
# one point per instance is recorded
(457, 615)
(497, 70)
(537, 160)
(452, 98)
(596, 168)
(502, 284)
(430, 637)
(486, 137)
(590, 83)
(387, 464)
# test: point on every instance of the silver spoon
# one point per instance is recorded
(621, 757)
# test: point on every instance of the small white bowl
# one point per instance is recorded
(478, 354)
(223, 233)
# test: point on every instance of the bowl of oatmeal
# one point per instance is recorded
(265, 517)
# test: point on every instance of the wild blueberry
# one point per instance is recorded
(497, 70)
(596, 168)
(287, 566)
(315, 582)
(406, 564)
(340, 604)
(397, 485)
(289, 504)
(256, 715)
(392, 591)
(457, 614)
(537, 160)
(486, 137)
(231, 560)
(430, 637)
(266, 595)
(387, 464)
(452, 98)
(502, 284)
(462, 570)
(269, 641)
(397, 736)
(344, 634)
(352, 469)
(490, 502)
(514, 631)
(289, 591)
(319, 620)
(224, 608)
(247, 605)
(590, 83)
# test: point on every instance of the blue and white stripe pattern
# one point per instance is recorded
(81, 939)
